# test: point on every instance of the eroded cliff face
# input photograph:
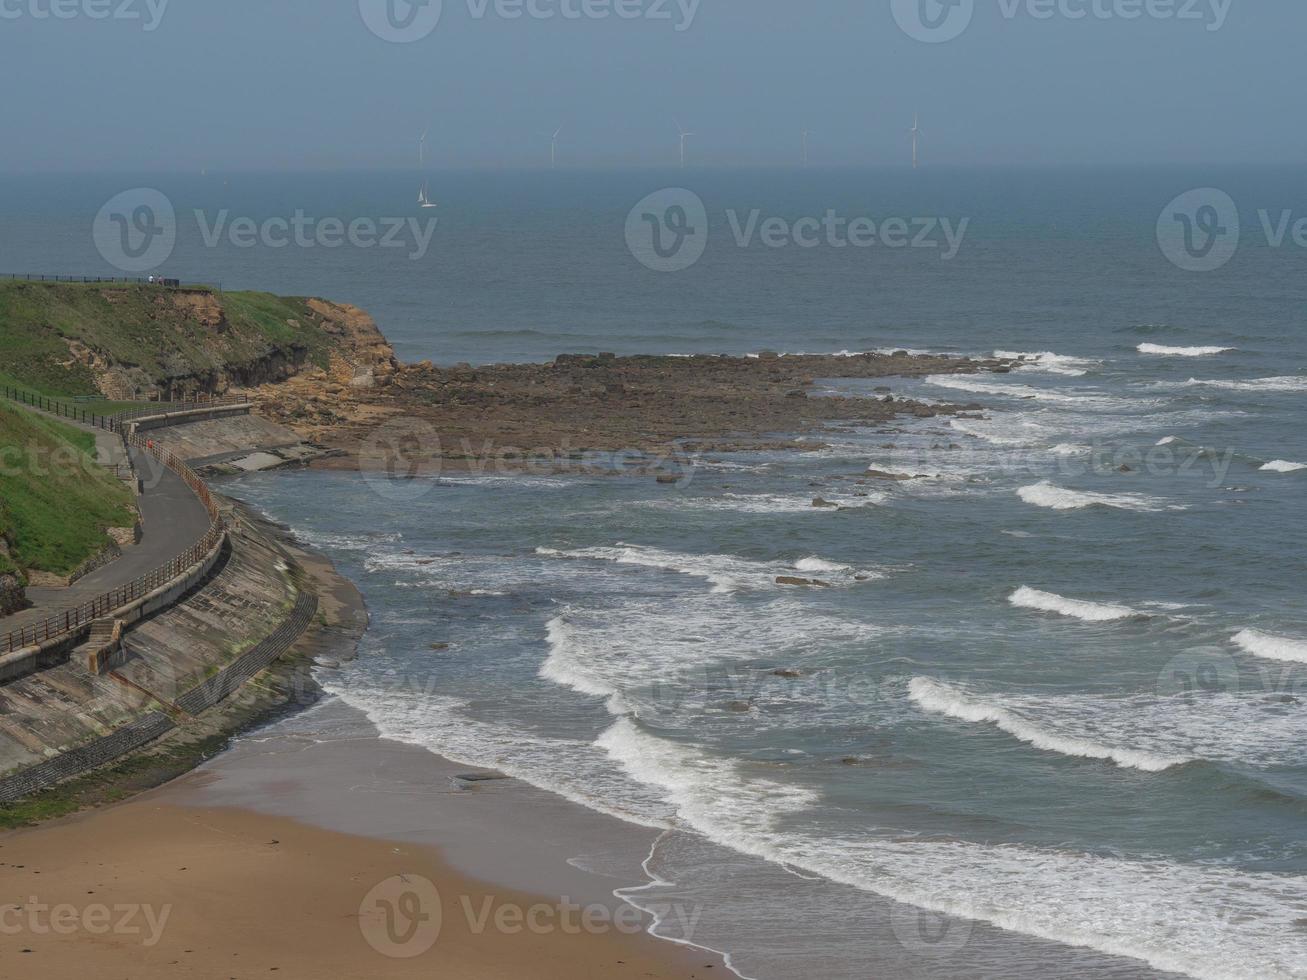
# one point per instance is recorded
(360, 348)
(184, 343)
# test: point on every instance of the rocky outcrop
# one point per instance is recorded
(145, 343)
(361, 355)
(11, 595)
(11, 586)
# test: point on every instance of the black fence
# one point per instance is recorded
(116, 422)
(159, 281)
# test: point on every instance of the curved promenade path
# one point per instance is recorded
(172, 519)
(177, 518)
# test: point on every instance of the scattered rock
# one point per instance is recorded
(802, 582)
(820, 502)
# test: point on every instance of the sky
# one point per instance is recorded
(304, 85)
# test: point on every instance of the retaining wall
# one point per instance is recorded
(20, 663)
(85, 758)
(150, 422)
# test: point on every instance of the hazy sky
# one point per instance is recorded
(306, 84)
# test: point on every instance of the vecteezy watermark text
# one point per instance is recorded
(148, 12)
(303, 231)
(937, 21)
(1201, 230)
(402, 917)
(835, 231)
(407, 21)
(136, 231)
(668, 231)
(36, 918)
(403, 460)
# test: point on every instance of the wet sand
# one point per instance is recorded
(152, 889)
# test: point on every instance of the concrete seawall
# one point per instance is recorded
(20, 663)
(178, 664)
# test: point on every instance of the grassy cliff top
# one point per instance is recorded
(55, 337)
(55, 501)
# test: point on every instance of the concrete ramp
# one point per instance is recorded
(237, 444)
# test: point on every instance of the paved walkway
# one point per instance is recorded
(172, 518)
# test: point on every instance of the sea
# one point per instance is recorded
(1049, 687)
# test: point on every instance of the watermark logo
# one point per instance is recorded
(401, 917)
(1199, 230)
(302, 230)
(833, 230)
(929, 934)
(937, 21)
(145, 923)
(149, 13)
(406, 21)
(668, 230)
(401, 460)
(1202, 672)
(933, 21)
(136, 230)
(401, 21)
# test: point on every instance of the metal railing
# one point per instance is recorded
(116, 422)
(70, 620)
(121, 280)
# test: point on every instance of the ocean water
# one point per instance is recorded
(1054, 687)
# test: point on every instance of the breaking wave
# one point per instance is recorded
(1270, 647)
(1045, 494)
(1183, 351)
(1090, 612)
(945, 699)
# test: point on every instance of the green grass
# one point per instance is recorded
(161, 332)
(55, 501)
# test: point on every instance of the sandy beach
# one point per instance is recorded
(151, 888)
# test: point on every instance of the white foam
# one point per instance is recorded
(975, 384)
(1045, 494)
(1208, 922)
(1284, 466)
(575, 770)
(345, 542)
(767, 503)
(635, 652)
(725, 572)
(1003, 432)
(1074, 367)
(1070, 449)
(945, 699)
(1165, 351)
(1168, 440)
(1257, 384)
(705, 790)
(1090, 612)
(1269, 647)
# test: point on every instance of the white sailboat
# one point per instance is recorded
(424, 195)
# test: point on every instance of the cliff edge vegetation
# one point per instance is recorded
(56, 502)
(138, 342)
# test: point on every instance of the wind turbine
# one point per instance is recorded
(553, 147)
(916, 137)
(684, 137)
